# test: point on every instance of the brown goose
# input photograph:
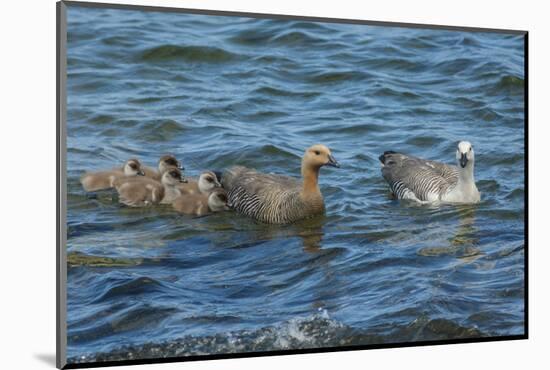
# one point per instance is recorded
(144, 191)
(95, 181)
(165, 162)
(201, 204)
(207, 182)
(277, 199)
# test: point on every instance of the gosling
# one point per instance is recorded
(165, 163)
(202, 204)
(146, 192)
(208, 181)
(95, 181)
(277, 199)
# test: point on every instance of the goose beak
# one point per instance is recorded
(332, 162)
(463, 160)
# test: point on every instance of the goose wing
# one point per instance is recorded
(415, 178)
(256, 182)
(448, 172)
(257, 194)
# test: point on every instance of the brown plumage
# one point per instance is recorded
(165, 163)
(278, 199)
(145, 192)
(201, 204)
(207, 182)
(95, 181)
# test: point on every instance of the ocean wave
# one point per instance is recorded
(318, 331)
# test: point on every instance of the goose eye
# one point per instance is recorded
(209, 179)
(133, 166)
(317, 152)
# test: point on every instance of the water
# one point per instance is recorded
(219, 91)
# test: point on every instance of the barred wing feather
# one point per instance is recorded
(415, 178)
(266, 197)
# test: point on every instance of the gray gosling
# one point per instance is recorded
(427, 181)
(146, 192)
(95, 181)
(208, 181)
(278, 199)
(201, 204)
(165, 163)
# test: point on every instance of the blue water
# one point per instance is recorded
(219, 91)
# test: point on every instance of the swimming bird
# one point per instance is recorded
(278, 199)
(207, 182)
(95, 181)
(200, 204)
(144, 191)
(429, 181)
(165, 162)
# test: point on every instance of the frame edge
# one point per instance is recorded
(61, 188)
(90, 4)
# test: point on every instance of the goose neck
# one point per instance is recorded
(466, 174)
(310, 176)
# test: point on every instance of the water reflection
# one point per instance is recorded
(464, 243)
(311, 232)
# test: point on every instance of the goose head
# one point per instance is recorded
(172, 177)
(208, 181)
(132, 167)
(464, 154)
(217, 200)
(319, 155)
(167, 162)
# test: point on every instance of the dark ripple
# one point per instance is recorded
(133, 288)
(119, 41)
(398, 64)
(75, 259)
(136, 319)
(271, 91)
(102, 119)
(510, 85)
(159, 130)
(204, 54)
(251, 37)
(454, 66)
(296, 38)
(336, 77)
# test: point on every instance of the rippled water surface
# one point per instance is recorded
(218, 91)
